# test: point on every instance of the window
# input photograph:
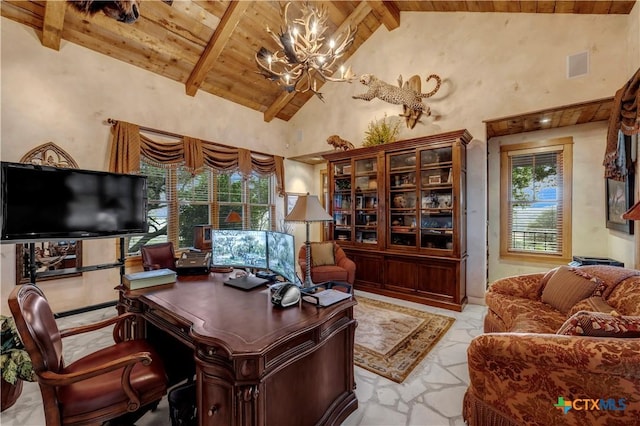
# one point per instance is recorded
(535, 189)
(178, 200)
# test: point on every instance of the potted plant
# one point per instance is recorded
(381, 132)
(15, 364)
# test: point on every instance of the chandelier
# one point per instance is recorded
(302, 57)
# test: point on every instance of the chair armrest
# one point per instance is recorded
(527, 286)
(63, 379)
(350, 266)
(97, 325)
(511, 371)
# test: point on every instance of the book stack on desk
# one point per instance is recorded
(146, 279)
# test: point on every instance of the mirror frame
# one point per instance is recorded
(23, 275)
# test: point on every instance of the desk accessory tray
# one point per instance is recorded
(325, 294)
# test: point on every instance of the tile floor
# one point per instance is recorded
(430, 396)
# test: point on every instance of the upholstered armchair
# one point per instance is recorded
(567, 336)
(158, 256)
(328, 263)
(121, 381)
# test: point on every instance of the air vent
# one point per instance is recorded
(578, 64)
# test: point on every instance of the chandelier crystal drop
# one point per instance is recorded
(302, 56)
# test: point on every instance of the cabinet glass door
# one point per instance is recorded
(402, 199)
(342, 228)
(366, 201)
(436, 199)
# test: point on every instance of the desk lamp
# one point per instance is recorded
(308, 210)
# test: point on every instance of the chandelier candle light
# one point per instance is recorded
(307, 210)
(302, 57)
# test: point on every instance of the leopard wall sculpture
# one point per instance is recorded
(408, 95)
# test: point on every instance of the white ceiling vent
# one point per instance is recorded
(578, 64)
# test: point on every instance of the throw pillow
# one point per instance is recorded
(322, 254)
(566, 287)
(596, 324)
(547, 277)
(593, 304)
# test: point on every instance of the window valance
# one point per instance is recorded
(129, 145)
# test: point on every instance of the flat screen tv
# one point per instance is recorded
(239, 248)
(41, 203)
(281, 255)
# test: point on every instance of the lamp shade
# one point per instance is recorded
(233, 217)
(308, 209)
(633, 213)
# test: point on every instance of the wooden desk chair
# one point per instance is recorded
(158, 256)
(121, 381)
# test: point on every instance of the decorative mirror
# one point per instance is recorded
(54, 256)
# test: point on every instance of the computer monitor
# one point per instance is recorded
(239, 248)
(281, 255)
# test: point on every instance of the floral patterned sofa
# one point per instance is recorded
(560, 348)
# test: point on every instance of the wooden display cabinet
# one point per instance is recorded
(400, 213)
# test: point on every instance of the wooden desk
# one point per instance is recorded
(255, 364)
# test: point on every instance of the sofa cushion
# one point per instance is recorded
(524, 315)
(597, 324)
(593, 304)
(322, 254)
(610, 275)
(324, 273)
(625, 298)
(567, 286)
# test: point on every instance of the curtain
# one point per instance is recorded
(128, 145)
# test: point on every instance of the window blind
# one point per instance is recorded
(535, 217)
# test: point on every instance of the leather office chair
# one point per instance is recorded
(158, 256)
(119, 383)
(343, 269)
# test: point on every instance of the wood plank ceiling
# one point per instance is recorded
(209, 46)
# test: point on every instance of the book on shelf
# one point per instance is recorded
(145, 279)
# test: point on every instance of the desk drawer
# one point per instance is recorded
(170, 324)
(215, 405)
(289, 349)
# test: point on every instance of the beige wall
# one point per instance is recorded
(633, 42)
(493, 65)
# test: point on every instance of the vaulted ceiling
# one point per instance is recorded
(209, 46)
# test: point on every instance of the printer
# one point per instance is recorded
(194, 263)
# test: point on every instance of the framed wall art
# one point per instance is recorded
(619, 199)
(290, 199)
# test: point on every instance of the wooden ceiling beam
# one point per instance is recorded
(54, 12)
(218, 41)
(357, 16)
(388, 13)
(567, 115)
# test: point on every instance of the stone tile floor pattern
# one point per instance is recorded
(430, 396)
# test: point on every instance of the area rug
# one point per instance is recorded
(391, 340)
